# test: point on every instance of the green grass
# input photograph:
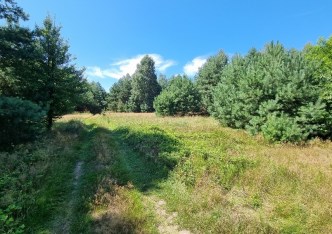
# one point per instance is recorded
(217, 180)
(225, 181)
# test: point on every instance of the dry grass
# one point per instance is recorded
(287, 188)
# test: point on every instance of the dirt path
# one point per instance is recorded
(62, 223)
(142, 178)
(166, 220)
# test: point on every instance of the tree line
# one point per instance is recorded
(284, 94)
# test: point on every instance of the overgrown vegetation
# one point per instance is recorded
(209, 75)
(224, 180)
(35, 180)
(216, 179)
(21, 121)
(137, 173)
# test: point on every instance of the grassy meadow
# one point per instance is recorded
(138, 173)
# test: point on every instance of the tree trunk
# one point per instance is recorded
(50, 119)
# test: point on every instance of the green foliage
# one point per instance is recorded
(119, 96)
(315, 120)
(35, 65)
(18, 62)
(8, 223)
(61, 82)
(144, 86)
(36, 178)
(96, 98)
(272, 85)
(163, 81)
(21, 121)
(282, 128)
(11, 12)
(180, 97)
(208, 77)
(321, 54)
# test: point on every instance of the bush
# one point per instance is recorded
(282, 129)
(315, 120)
(179, 98)
(273, 85)
(21, 121)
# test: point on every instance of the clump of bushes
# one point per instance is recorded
(180, 97)
(275, 92)
(21, 121)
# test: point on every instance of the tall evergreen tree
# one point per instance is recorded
(17, 60)
(208, 77)
(61, 82)
(144, 86)
(11, 12)
(120, 92)
(99, 98)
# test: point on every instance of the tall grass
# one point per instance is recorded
(217, 180)
(225, 181)
(35, 179)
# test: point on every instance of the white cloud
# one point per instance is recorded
(128, 66)
(192, 67)
(94, 71)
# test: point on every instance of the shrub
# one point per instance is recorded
(21, 121)
(282, 129)
(179, 98)
(273, 85)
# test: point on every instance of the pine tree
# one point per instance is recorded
(144, 86)
(118, 98)
(11, 12)
(274, 91)
(208, 77)
(180, 97)
(61, 82)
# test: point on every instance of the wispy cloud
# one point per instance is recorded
(192, 67)
(95, 71)
(128, 66)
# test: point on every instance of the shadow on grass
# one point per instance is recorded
(147, 156)
(41, 178)
(124, 158)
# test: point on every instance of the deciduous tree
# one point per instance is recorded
(322, 54)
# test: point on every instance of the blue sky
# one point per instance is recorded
(109, 37)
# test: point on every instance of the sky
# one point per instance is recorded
(109, 37)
